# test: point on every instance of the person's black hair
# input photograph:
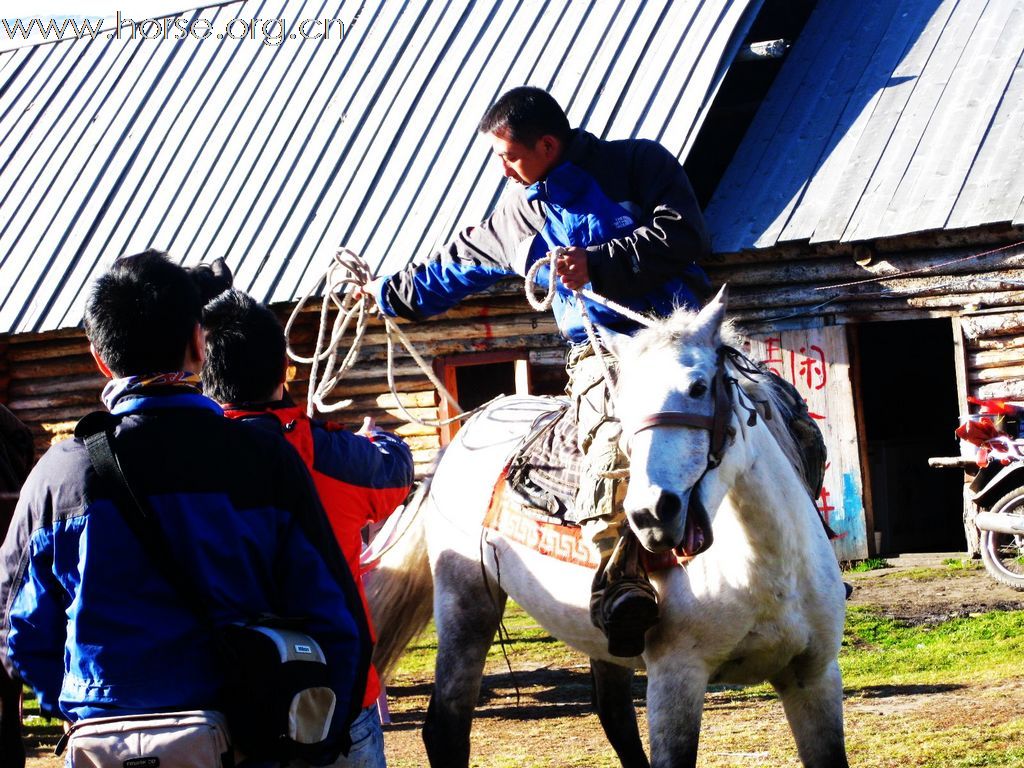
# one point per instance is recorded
(212, 278)
(245, 350)
(141, 314)
(527, 114)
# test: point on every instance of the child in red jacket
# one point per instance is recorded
(361, 477)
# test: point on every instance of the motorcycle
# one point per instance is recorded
(993, 446)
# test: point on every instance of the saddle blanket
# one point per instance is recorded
(531, 527)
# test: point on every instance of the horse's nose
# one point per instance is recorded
(664, 512)
(668, 507)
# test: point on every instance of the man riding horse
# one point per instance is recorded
(628, 226)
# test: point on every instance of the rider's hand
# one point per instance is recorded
(571, 268)
(370, 289)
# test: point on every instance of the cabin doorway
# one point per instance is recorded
(906, 392)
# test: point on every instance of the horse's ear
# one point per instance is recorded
(711, 317)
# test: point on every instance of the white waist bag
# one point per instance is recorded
(196, 739)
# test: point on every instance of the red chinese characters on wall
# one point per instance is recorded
(806, 367)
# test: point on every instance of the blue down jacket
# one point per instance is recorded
(96, 630)
(627, 202)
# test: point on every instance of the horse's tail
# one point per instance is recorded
(400, 589)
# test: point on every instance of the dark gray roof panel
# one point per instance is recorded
(890, 117)
(274, 155)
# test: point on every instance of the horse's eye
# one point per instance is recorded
(698, 389)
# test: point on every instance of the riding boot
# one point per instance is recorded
(623, 603)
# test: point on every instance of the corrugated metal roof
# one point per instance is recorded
(890, 117)
(273, 155)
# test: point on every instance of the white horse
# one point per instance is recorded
(765, 602)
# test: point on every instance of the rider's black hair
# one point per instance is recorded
(245, 350)
(141, 314)
(526, 113)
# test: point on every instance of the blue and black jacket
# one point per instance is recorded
(629, 203)
(94, 627)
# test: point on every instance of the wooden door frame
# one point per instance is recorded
(445, 368)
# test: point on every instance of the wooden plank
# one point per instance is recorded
(790, 168)
(994, 188)
(856, 380)
(902, 21)
(950, 140)
(961, 363)
(897, 100)
(900, 160)
(732, 214)
(817, 362)
(820, 110)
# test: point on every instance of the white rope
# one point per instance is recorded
(348, 271)
(593, 335)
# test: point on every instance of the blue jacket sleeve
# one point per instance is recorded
(34, 623)
(476, 259)
(377, 469)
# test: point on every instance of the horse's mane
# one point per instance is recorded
(779, 404)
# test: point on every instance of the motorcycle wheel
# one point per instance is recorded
(1003, 553)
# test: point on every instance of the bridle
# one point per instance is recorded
(722, 386)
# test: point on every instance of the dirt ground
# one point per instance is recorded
(551, 722)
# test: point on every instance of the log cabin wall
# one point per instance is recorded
(53, 380)
(976, 277)
(939, 275)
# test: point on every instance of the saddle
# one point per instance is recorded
(544, 472)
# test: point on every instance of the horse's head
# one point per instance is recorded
(666, 399)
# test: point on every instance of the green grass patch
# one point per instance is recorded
(871, 564)
(962, 564)
(881, 651)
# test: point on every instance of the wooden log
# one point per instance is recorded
(58, 348)
(993, 358)
(1000, 373)
(885, 291)
(1012, 389)
(998, 343)
(931, 306)
(992, 325)
(39, 369)
(56, 401)
(825, 271)
(87, 382)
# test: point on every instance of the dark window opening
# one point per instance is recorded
(739, 97)
(908, 396)
(477, 384)
(476, 378)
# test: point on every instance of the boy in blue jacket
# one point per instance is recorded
(86, 618)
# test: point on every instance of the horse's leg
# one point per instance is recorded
(675, 703)
(467, 613)
(814, 709)
(613, 699)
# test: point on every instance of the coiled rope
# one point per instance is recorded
(347, 273)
